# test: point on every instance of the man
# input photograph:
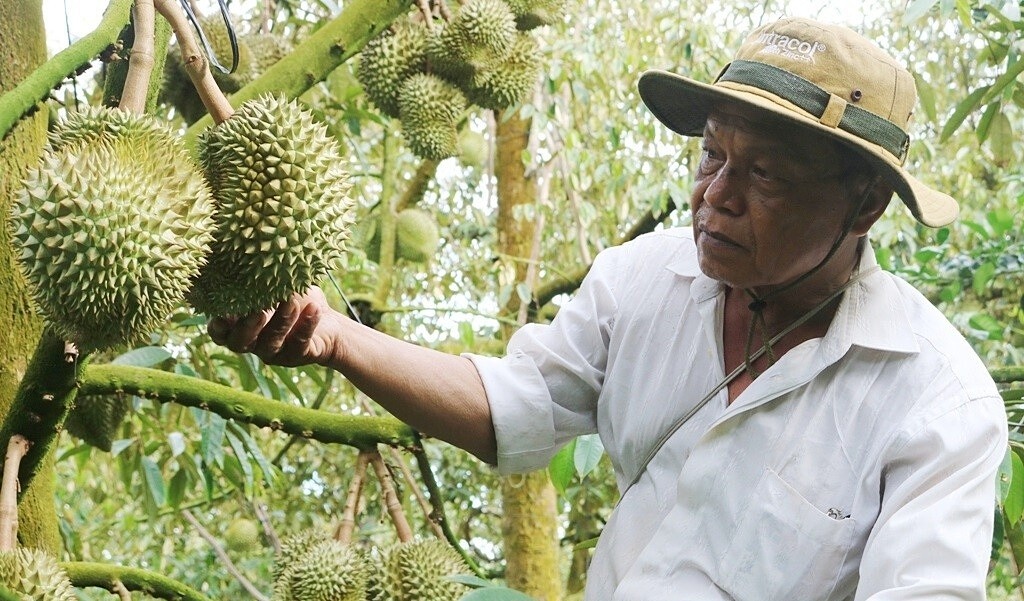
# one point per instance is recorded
(785, 420)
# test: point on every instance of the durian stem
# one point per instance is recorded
(196, 65)
(268, 528)
(388, 228)
(425, 506)
(394, 506)
(22, 100)
(121, 591)
(17, 447)
(224, 557)
(428, 17)
(141, 60)
(87, 573)
(438, 515)
(246, 407)
(443, 10)
(343, 534)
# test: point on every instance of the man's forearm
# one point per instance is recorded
(436, 393)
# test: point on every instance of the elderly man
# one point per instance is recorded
(785, 420)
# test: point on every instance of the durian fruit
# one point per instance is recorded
(327, 571)
(216, 33)
(265, 49)
(35, 575)
(473, 148)
(388, 60)
(97, 419)
(481, 33)
(416, 235)
(430, 108)
(292, 547)
(536, 13)
(282, 207)
(511, 81)
(111, 227)
(418, 571)
(242, 535)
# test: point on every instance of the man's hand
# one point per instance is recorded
(302, 330)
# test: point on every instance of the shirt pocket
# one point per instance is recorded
(784, 547)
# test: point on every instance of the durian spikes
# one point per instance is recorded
(480, 34)
(417, 571)
(312, 566)
(509, 82)
(536, 13)
(430, 108)
(388, 60)
(35, 575)
(97, 419)
(282, 207)
(112, 225)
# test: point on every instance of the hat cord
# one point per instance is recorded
(758, 303)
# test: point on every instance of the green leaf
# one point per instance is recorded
(496, 594)
(177, 487)
(590, 543)
(917, 9)
(243, 459)
(965, 108)
(211, 445)
(269, 474)
(466, 334)
(470, 580)
(177, 443)
(1004, 476)
(982, 276)
(1001, 139)
(986, 121)
(587, 454)
(988, 324)
(562, 466)
(154, 481)
(146, 356)
(119, 445)
(1013, 506)
(926, 95)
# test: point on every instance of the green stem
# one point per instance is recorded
(388, 231)
(36, 87)
(353, 430)
(43, 399)
(86, 573)
(314, 59)
(1005, 375)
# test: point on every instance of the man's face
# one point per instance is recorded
(768, 201)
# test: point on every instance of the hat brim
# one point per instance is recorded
(683, 105)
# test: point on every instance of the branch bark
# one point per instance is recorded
(16, 450)
(394, 506)
(343, 534)
(85, 573)
(141, 60)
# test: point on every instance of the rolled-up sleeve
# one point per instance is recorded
(544, 391)
(933, 535)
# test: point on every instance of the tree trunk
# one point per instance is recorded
(22, 49)
(529, 523)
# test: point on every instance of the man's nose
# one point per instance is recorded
(725, 191)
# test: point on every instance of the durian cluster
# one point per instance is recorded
(117, 225)
(35, 575)
(312, 566)
(426, 75)
(256, 53)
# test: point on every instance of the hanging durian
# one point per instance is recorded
(36, 575)
(112, 225)
(388, 60)
(536, 13)
(481, 33)
(282, 207)
(416, 235)
(242, 535)
(97, 419)
(473, 148)
(217, 35)
(326, 571)
(430, 108)
(418, 571)
(511, 81)
(265, 49)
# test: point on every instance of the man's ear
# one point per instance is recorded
(879, 193)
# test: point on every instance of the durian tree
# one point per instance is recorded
(206, 444)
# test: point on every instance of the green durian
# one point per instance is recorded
(220, 43)
(388, 60)
(242, 535)
(511, 81)
(35, 575)
(445, 62)
(265, 49)
(416, 235)
(111, 226)
(282, 207)
(292, 546)
(418, 571)
(97, 419)
(536, 13)
(327, 571)
(473, 148)
(429, 109)
(481, 33)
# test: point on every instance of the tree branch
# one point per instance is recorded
(564, 285)
(268, 528)
(103, 575)
(387, 489)
(16, 450)
(36, 87)
(343, 533)
(418, 184)
(1005, 375)
(352, 430)
(141, 59)
(319, 54)
(224, 558)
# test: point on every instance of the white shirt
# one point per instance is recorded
(860, 466)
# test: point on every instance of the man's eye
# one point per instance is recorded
(709, 161)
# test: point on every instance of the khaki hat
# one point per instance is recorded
(825, 77)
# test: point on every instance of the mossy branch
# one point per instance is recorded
(36, 87)
(44, 397)
(314, 59)
(1005, 375)
(103, 575)
(357, 431)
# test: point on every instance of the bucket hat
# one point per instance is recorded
(825, 77)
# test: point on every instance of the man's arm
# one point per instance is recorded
(436, 393)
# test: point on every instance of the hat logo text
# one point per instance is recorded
(790, 47)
